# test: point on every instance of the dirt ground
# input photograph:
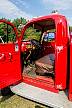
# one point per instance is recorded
(14, 101)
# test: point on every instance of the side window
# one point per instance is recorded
(49, 36)
(7, 34)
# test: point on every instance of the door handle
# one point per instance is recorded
(2, 57)
(10, 56)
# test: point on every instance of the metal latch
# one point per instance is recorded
(59, 48)
(2, 56)
(10, 56)
(16, 47)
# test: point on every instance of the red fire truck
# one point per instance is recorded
(38, 69)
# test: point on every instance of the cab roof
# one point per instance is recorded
(51, 16)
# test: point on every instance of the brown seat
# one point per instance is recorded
(45, 64)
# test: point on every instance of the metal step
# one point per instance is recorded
(55, 100)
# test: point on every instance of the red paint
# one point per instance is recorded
(70, 77)
(61, 46)
(10, 63)
(41, 82)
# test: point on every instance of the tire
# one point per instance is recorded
(6, 91)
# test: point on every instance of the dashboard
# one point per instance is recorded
(26, 45)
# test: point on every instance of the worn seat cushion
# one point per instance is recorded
(45, 64)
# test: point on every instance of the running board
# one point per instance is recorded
(55, 100)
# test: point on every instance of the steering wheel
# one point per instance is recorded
(36, 44)
(36, 52)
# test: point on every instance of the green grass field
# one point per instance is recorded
(15, 101)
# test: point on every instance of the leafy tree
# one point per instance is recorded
(18, 21)
(23, 21)
(32, 33)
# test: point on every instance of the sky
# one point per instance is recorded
(33, 8)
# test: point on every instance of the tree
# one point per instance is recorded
(32, 33)
(18, 21)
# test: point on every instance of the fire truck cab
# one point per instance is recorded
(37, 68)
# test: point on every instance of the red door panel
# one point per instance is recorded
(61, 67)
(10, 64)
(70, 78)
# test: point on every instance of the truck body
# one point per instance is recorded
(38, 69)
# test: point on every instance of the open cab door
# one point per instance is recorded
(10, 64)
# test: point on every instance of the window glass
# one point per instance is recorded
(7, 34)
(51, 35)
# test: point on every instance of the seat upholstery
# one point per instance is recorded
(45, 64)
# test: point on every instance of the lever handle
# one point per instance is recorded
(10, 56)
(2, 57)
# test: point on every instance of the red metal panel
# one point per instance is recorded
(70, 79)
(10, 64)
(41, 82)
(61, 54)
(61, 68)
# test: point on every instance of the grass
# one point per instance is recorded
(15, 101)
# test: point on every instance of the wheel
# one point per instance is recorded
(6, 91)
